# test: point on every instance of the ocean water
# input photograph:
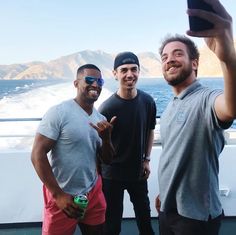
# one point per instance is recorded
(31, 99)
(9, 88)
(32, 94)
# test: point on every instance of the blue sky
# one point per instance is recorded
(42, 30)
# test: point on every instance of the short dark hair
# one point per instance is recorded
(86, 66)
(193, 52)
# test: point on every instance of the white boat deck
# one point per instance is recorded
(21, 196)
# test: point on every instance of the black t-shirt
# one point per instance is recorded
(135, 119)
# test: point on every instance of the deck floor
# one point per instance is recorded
(128, 228)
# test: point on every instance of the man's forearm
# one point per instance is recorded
(107, 152)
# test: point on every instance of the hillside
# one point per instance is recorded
(65, 67)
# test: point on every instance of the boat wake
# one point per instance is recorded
(32, 104)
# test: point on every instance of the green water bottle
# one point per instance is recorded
(82, 201)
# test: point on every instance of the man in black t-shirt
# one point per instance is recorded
(132, 138)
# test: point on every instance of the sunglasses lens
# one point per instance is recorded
(90, 80)
(100, 82)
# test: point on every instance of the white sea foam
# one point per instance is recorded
(33, 104)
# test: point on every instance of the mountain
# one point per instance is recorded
(65, 67)
(209, 65)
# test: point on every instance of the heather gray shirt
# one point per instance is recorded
(192, 140)
(73, 158)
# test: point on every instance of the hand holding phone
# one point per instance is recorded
(197, 23)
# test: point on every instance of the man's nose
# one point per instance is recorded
(95, 83)
(130, 73)
(170, 58)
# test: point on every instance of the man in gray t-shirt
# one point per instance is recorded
(76, 135)
(191, 130)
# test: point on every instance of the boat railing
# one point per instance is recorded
(27, 130)
(17, 133)
(8, 130)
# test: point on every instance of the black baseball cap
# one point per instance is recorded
(126, 57)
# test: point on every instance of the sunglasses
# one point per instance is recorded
(90, 80)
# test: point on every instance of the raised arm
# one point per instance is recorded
(220, 41)
(104, 129)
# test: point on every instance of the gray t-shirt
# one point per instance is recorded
(73, 158)
(192, 140)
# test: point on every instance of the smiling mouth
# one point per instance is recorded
(93, 92)
(130, 81)
(172, 68)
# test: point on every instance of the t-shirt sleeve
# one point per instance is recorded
(50, 124)
(104, 110)
(210, 99)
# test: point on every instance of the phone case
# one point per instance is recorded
(197, 23)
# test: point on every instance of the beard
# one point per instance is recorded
(90, 97)
(175, 80)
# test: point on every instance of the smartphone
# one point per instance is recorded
(197, 23)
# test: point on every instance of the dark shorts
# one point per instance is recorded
(171, 223)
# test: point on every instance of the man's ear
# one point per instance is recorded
(114, 73)
(76, 83)
(195, 64)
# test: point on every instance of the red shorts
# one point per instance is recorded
(55, 222)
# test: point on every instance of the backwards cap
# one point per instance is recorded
(125, 58)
